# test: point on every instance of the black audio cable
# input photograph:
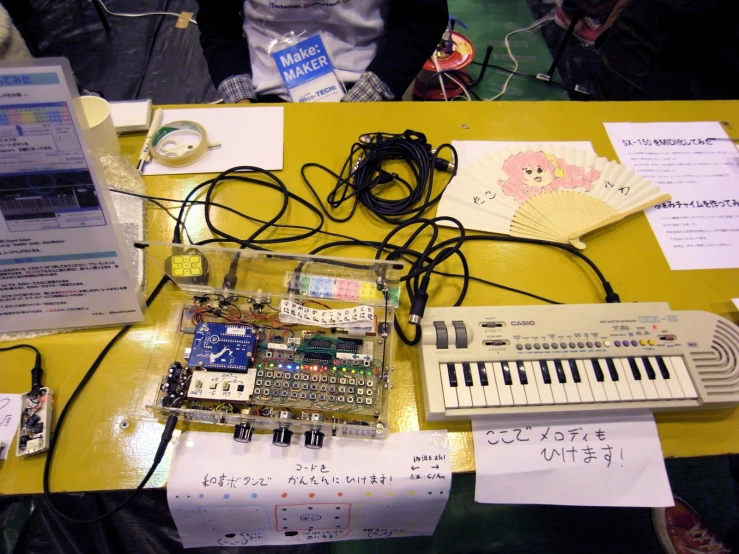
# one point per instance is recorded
(365, 177)
(37, 371)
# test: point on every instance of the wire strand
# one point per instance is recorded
(534, 25)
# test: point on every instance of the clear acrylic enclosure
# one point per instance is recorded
(282, 342)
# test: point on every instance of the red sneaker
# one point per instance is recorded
(586, 30)
(681, 531)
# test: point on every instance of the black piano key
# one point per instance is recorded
(649, 369)
(561, 377)
(634, 369)
(545, 372)
(467, 372)
(483, 374)
(663, 368)
(575, 371)
(506, 373)
(612, 369)
(452, 375)
(522, 373)
(598, 371)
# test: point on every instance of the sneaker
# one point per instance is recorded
(587, 30)
(681, 531)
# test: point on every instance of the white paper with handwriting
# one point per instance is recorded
(10, 413)
(602, 459)
(226, 493)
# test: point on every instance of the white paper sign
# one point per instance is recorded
(736, 302)
(699, 227)
(10, 412)
(62, 264)
(580, 460)
(226, 493)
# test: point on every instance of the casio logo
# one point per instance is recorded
(522, 323)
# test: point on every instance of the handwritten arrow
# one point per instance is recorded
(413, 468)
(435, 467)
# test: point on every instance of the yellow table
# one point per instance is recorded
(98, 451)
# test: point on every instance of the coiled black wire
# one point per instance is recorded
(365, 180)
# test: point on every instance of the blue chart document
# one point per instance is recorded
(62, 264)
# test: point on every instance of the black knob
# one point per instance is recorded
(314, 439)
(282, 436)
(243, 432)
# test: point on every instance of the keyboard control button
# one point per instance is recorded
(442, 336)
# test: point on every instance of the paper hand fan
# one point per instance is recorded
(545, 191)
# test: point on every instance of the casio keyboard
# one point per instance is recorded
(483, 361)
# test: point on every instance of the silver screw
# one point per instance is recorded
(124, 424)
(464, 126)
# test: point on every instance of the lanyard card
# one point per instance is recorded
(308, 71)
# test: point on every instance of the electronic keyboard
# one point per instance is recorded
(484, 361)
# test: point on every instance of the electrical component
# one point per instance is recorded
(34, 434)
(188, 267)
(222, 346)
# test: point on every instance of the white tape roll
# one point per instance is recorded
(179, 143)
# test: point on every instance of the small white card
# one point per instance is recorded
(602, 459)
(10, 413)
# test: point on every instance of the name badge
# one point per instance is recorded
(308, 71)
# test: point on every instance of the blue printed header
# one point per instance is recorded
(303, 62)
(29, 79)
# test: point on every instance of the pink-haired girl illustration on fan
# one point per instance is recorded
(531, 173)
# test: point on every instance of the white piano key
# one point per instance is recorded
(622, 385)
(478, 394)
(637, 392)
(583, 387)
(683, 377)
(599, 393)
(573, 396)
(519, 395)
(558, 389)
(450, 392)
(504, 391)
(673, 382)
(650, 391)
(491, 392)
(663, 390)
(531, 389)
(464, 396)
(545, 389)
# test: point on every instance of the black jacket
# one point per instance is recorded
(412, 30)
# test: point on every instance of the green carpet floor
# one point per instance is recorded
(489, 21)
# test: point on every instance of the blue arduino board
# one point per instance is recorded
(223, 346)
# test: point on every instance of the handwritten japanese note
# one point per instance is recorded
(580, 460)
(226, 493)
(698, 166)
(10, 413)
(357, 316)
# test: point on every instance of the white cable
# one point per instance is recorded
(144, 14)
(534, 25)
(460, 85)
(438, 70)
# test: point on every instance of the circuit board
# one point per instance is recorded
(222, 346)
(322, 372)
(34, 431)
